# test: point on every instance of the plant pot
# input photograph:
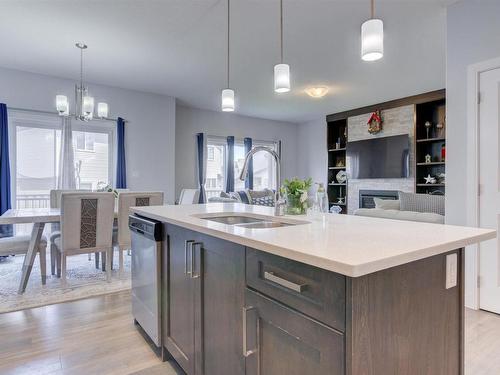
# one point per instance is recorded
(294, 206)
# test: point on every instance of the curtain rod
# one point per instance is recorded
(55, 113)
(224, 138)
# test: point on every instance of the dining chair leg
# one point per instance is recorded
(90, 257)
(108, 269)
(63, 268)
(96, 256)
(52, 259)
(43, 263)
(58, 262)
(111, 257)
(103, 261)
(120, 260)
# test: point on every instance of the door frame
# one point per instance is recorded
(472, 253)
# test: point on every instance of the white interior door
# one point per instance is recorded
(489, 197)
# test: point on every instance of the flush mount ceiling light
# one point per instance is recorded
(227, 95)
(281, 70)
(372, 37)
(84, 103)
(317, 92)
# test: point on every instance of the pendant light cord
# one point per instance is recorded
(281, 29)
(81, 68)
(228, 31)
(373, 8)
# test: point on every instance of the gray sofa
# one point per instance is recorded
(411, 207)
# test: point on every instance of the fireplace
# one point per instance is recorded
(366, 197)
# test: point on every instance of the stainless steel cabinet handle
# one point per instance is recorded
(284, 283)
(246, 351)
(186, 245)
(194, 274)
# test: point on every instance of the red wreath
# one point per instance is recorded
(375, 123)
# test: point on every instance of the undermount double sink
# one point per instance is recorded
(248, 221)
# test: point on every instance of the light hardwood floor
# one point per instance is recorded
(97, 336)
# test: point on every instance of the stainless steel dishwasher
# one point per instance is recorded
(146, 235)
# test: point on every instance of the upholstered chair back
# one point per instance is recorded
(87, 221)
(189, 196)
(55, 202)
(133, 199)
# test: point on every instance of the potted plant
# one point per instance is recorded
(295, 191)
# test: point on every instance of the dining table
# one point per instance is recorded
(38, 217)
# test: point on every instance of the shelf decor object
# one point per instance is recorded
(84, 103)
(227, 95)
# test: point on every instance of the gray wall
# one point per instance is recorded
(473, 35)
(150, 131)
(190, 121)
(313, 158)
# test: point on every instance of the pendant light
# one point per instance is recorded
(372, 37)
(227, 96)
(281, 70)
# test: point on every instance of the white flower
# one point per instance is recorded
(303, 197)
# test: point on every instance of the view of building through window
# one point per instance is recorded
(36, 163)
(263, 168)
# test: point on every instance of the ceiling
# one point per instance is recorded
(178, 48)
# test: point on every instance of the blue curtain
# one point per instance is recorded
(200, 139)
(5, 204)
(249, 178)
(121, 169)
(230, 165)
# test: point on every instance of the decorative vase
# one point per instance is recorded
(294, 205)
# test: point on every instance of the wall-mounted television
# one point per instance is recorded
(382, 157)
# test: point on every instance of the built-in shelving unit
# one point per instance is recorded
(430, 141)
(337, 140)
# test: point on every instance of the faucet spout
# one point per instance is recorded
(279, 200)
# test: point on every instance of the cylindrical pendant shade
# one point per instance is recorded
(102, 110)
(228, 100)
(88, 105)
(62, 104)
(281, 78)
(372, 40)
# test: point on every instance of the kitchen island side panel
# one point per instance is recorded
(403, 320)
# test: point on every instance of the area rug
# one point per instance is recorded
(83, 281)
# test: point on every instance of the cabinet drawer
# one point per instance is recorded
(310, 290)
(281, 341)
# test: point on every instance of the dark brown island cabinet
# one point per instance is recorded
(233, 310)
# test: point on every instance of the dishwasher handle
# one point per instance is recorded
(146, 227)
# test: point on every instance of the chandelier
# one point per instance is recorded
(84, 103)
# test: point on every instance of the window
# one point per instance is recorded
(216, 167)
(35, 141)
(83, 141)
(263, 166)
(211, 153)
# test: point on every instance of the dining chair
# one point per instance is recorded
(86, 227)
(121, 237)
(189, 196)
(18, 245)
(55, 202)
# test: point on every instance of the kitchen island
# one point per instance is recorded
(245, 292)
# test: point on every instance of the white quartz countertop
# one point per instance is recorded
(350, 245)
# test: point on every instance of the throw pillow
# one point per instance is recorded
(422, 203)
(386, 204)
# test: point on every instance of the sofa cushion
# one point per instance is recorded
(261, 197)
(386, 204)
(421, 203)
(423, 217)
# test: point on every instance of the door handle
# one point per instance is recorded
(246, 351)
(194, 274)
(186, 246)
(299, 288)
